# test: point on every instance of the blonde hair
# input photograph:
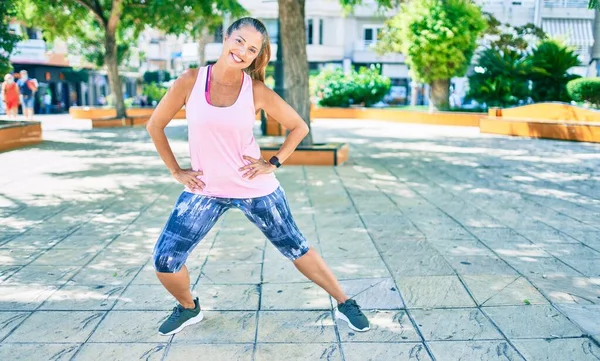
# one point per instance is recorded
(7, 77)
(259, 66)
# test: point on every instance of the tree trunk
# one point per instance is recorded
(112, 66)
(295, 61)
(414, 92)
(439, 96)
(202, 41)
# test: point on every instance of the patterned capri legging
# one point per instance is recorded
(194, 215)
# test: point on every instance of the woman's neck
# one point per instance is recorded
(224, 74)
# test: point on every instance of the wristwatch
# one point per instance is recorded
(275, 161)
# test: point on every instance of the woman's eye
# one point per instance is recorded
(253, 51)
(238, 41)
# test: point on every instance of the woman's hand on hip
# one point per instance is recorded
(188, 178)
(256, 167)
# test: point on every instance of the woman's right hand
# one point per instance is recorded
(187, 177)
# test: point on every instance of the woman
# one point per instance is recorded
(227, 170)
(10, 96)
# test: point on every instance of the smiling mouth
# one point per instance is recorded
(236, 58)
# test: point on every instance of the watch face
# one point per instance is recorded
(275, 161)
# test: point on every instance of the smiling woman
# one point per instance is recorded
(228, 171)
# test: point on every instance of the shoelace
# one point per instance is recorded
(354, 309)
(175, 314)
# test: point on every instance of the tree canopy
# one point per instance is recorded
(438, 39)
(104, 30)
(8, 40)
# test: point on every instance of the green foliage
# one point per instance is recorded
(500, 78)
(370, 87)
(503, 71)
(505, 36)
(76, 76)
(594, 4)
(550, 62)
(585, 90)
(8, 40)
(156, 76)
(334, 88)
(437, 37)
(154, 92)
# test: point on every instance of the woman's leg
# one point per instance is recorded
(178, 284)
(315, 269)
(272, 215)
(191, 219)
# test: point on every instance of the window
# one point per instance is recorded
(309, 32)
(370, 33)
(219, 34)
(321, 31)
(272, 29)
(32, 34)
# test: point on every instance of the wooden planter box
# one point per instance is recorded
(273, 128)
(544, 120)
(112, 122)
(107, 112)
(318, 154)
(15, 134)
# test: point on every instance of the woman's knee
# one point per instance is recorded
(166, 263)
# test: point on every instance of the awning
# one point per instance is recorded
(576, 32)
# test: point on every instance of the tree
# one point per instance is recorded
(118, 22)
(594, 4)
(503, 68)
(8, 40)
(438, 39)
(293, 42)
(500, 78)
(550, 63)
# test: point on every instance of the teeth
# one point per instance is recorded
(236, 58)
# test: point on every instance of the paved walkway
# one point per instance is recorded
(459, 247)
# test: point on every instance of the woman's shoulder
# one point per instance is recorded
(187, 79)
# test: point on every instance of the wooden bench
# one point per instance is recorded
(15, 134)
(112, 122)
(544, 120)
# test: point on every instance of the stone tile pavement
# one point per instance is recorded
(459, 246)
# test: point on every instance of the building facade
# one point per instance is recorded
(347, 40)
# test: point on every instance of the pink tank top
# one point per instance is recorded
(218, 139)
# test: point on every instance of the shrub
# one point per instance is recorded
(370, 87)
(334, 88)
(154, 92)
(585, 90)
(156, 76)
(550, 63)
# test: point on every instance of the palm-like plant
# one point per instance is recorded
(550, 62)
(501, 79)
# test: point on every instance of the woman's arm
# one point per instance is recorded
(282, 112)
(170, 104)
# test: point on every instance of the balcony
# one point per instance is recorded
(567, 9)
(324, 53)
(30, 51)
(365, 53)
(576, 4)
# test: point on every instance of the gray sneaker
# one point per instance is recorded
(180, 318)
(350, 312)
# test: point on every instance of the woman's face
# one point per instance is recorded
(9, 79)
(242, 47)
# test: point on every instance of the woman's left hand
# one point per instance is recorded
(256, 167)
